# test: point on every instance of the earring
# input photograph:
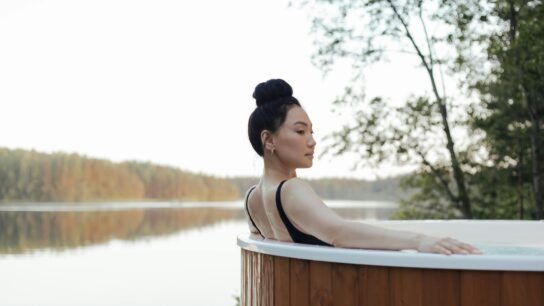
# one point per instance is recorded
(273, 151)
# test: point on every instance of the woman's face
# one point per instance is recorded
(294, 141)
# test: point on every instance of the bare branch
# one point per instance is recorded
(454, 199)
(410, 37)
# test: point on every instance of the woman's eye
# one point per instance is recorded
(300, 132)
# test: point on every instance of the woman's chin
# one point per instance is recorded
(307, 165)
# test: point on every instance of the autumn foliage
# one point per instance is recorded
(60, 177)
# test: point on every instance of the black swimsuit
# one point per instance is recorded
(296, 235)
(247, 210)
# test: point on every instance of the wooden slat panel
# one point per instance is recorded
(406, 287)
(345, 284)
(248, 278)
(254, 279)
(480, 288)
(320, 283)
(373, 286)
(272, 280)
(243, 285)
(257, 273)
(441, 287)
(522, 288)
(260, 277)
(267, 280)
(300, 282)
(251, 280)
(282, 293)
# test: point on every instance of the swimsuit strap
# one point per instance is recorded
(296, 235)
(247, 209)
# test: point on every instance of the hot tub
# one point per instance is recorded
(511, 272)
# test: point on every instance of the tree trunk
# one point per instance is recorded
(458, 175)
(537, 155)
(520, 177)
(530, 104)
(457, 172)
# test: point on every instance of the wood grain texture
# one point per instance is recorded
(345, 284)
(300, 282)
(253, 279)
(272, 280)
(267, 280)
(406, 287)
(480, 288)
(258, 278)
(522, 288)
(244, 278)
(441, 287)
(321, 283)
(282, 281)
(374, 287)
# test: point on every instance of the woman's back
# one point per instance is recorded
(262, 211)
(268, 216)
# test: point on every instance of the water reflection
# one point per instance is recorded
(29, 230)
(140, 256)
(26, 231)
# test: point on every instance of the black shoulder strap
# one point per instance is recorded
(296, 235)
(290, 227)
(247, 209)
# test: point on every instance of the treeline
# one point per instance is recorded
(59, 177)
(30, 176)
(344, 188)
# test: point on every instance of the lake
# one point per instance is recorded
(137, 253)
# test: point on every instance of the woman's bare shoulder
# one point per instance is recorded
(298, 190)
(296, 185)
(250, 190)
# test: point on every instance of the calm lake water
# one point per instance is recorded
(130, 253)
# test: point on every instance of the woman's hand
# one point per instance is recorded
(446, 245)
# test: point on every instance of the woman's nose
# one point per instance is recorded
(311, 141)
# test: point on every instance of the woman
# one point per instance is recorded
(285, 208)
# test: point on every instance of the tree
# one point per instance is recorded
(419, 132)
(510, 92)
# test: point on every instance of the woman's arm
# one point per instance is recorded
(305, 209)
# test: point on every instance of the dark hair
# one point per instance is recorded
(274, 98)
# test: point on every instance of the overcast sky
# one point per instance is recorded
(166, 81)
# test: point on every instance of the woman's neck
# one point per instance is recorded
(276, 171)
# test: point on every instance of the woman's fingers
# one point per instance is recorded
(471, 249)
(458, 247)
(442, 250)
(445, 245)
(451, 246)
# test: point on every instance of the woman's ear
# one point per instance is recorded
(267, 140)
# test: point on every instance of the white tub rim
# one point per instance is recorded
(408, 258)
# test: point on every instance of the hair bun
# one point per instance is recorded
(271, 90)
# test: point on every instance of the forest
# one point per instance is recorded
(31, 176)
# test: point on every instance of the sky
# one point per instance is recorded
(168, 82)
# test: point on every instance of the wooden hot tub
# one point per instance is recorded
(510, 273)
